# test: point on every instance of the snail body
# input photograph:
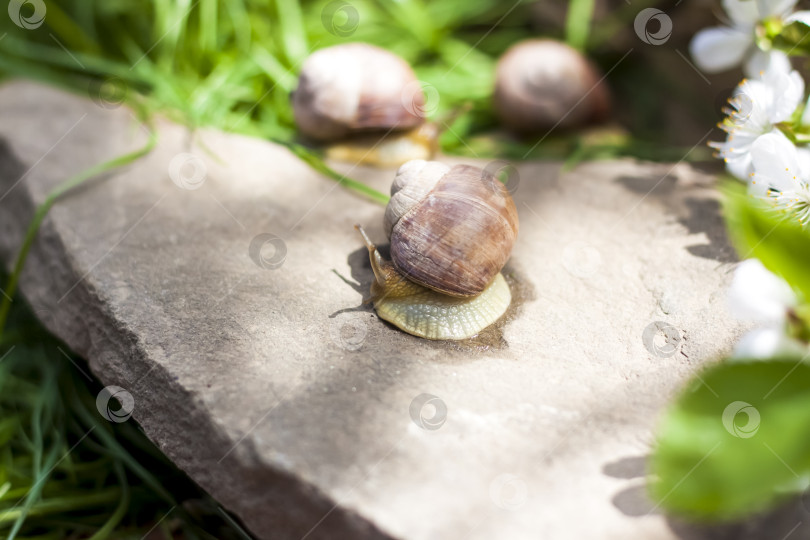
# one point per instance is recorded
(451, 230)
(425, 313)
(356, 88)
(391, 151)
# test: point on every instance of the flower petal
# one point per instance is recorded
(757, 294)
(766, 343)
(742, 12)
(741, 167)
(749, 113)
(800, 16)
(770, 62)
(779, 8)
(759, 186)
(719, 48)
(803, 154)
(788, 94)
(774, 158)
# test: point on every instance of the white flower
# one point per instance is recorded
(758, 295)
(781, 175)
(723, 47)
(756, 106)
(764, 343)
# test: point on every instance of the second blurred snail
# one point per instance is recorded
(365, 103)
(542, 84)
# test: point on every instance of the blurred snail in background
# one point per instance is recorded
(451, 230)
(362, 93)
(541, 84)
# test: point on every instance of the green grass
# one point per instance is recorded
(231, 65)
(65, 471)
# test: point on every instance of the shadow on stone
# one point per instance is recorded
(635, 502)
(10, 166)
(697, 214)
(632, 501)
(362, 274)
(790, 520)
(356, 286)
(629, 467)
(644, 185)
(704, 217)
(360, 265)
(12, 171)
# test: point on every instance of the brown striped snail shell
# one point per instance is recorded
(355, 88)
(451, 228)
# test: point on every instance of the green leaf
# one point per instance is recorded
(291, 26)
(736, 440)
(791, 38)
(578, 23)
(776, 239)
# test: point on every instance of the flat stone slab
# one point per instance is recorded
(219, 281)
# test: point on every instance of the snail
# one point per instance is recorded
(356, 88)
(451, 230)
(396, 148)
(392, 150)
(541, 84)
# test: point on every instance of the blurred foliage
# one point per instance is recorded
(778, 240)
(713, 460)
(231, 65)
(66, 472)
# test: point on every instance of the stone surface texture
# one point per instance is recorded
(290, 402)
